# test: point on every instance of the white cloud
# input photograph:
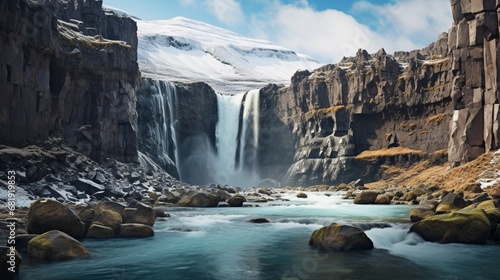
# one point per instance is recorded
(330, 34)
(226, 11)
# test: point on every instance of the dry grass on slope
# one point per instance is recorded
(459, 178)
(397, 151)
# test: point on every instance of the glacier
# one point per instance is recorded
(185, 50)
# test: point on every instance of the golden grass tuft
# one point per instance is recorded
(396, 151)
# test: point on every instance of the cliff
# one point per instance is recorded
(68, 69)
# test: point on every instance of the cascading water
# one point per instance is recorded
(249, 139)
(237, 136)
(166, 108)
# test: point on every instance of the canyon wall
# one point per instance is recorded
(68, 69)
(325, 118)
(474, 46)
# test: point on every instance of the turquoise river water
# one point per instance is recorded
(220, 243)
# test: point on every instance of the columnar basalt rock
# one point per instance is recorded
(366, 102)
(474, 127)
(68, 69)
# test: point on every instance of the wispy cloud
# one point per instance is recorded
(226, 11)
(329, 35)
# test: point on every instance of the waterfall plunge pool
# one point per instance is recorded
(221, 243)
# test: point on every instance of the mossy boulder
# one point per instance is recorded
(143, 214)
(98, 231)
(366, 197)
(420, 213)
(108, 218)
(488, 205)
(236, 201)
(22, 241)
(56, 245)
(48, 214)
(471, 227)
(451, 202)
(136, 230)
(10, 262)
(199, 199)
(340, 238)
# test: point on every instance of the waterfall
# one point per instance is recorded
(249, 137)
(229, 108)
(165, 108)
(237, 139)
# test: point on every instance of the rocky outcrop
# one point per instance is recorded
(366, 102)
(68, 69)
(474, 43)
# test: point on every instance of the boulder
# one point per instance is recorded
(10, 262)
(472, 227)
(110, 206)
(301, 195)
(136, 230)
(168, 197)
(487, 205)
(199, 199)
(108, 218)
(420, 213)
(236, 201)
(160, 213)
(340, 238)
(366, 197)
(87, 186)
(143, 214)
(259, 221)
(56, 245)
(382, 199)
(98, 231)
(451, 202)
(47, 214)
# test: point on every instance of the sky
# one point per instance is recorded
(326, 30)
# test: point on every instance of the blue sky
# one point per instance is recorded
(326, 30)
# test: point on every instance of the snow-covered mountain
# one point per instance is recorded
(186, 50)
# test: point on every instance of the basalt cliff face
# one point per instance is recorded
(68, 69)
(436, 101)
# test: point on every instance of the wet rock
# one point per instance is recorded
(55, 245)
(136, 230)
(87, 186)
(168, 197)
(497, 234)
(143, 214)
(471, 227)
(10, 262)
(259, 221)
(236, 201)
(420, 213)
(160, 213)
(47, 214)
(366, 197)
(336, 238)
(98, 231)
(301, 195)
